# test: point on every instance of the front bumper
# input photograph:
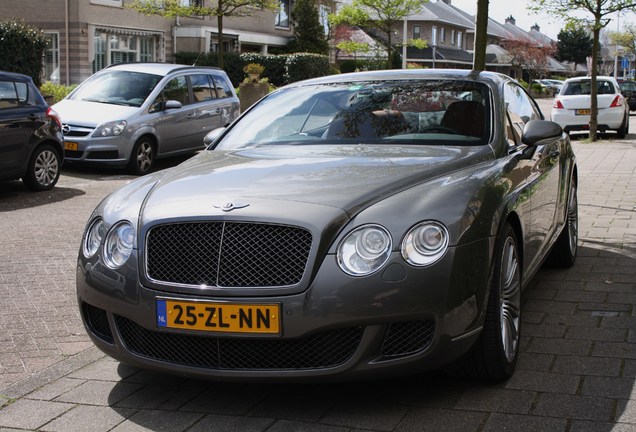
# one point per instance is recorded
(110, 151)
(401, 320)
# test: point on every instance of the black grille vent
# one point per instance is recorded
(97, 322)
(408, 337)
(227, 254)
(322, 350)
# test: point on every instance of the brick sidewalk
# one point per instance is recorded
(576, 372)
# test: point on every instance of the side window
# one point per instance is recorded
(8, 96)
(177, 89)
(520, 107)
(201, 90)
(222, 87)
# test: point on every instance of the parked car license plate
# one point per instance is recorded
(582, 112)
(218, 316)
(68, 145)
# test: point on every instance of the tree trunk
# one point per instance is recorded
(481, 35)
(389, 51)
(219, 20)
(594, 101)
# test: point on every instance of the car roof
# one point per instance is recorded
(15, 76)
(156, 68)
(587, 78)
(399, 74)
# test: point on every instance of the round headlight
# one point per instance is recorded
(94, 237)
(425, 243)
(364, 250)
(119, 244)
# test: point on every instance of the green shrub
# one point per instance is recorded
(302, 66)
(55, 92)
(22, 49)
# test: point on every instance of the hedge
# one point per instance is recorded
(279, 69)
(22, 49)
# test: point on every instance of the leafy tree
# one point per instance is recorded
(381, 14)
(220, 10)
(309, 34)
(22, 49)
(626, 38)
(529, 56)
(599, 10)
(574, 44)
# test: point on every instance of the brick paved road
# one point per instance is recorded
(576, 372)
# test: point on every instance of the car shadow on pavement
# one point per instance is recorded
(576, 371)
(15, 196)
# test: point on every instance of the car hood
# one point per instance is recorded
(91, 114)
(279, 180)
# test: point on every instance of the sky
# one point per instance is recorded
(550, 26)
(499, 10)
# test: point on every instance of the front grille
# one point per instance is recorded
(327, 349)
(109, 154)
(73, 154)
(227, 254)
(408, 337)
(97, 322)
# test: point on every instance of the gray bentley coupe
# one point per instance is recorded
(351, 226)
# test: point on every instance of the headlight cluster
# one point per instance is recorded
(367, 248)
(117, 244)
(110, 129)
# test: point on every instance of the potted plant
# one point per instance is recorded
(254, 71)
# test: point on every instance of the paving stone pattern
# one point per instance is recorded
(576, 371)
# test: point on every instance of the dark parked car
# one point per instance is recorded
(349, 226)
(30, 134)
(628, 88)
(130, 114)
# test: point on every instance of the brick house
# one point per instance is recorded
(88, 35)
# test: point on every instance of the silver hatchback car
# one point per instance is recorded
(127, 115)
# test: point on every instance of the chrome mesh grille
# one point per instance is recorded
(407, 337)
(327, 349)
(228, 254)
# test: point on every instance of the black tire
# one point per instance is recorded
(44, 168)
(622, 131)
(564, 251)
(494, 355)
(142, 157)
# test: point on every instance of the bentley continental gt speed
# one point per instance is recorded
(351, 226)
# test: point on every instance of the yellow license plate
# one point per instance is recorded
(70, 146)
(582, 112)
(218, 316)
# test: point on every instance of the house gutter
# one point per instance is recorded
(66, 44)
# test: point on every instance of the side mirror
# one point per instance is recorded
(538, 130)
(211, 136)
(172, 104)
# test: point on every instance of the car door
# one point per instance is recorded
(174, 125)
(207, 106)
(18, 122)
(543, 173)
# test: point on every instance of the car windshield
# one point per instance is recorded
(628, 86)
(118, 88)
(444, 112)
(585, 88)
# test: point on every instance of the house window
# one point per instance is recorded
(120, 48)
(282, 17)
(52, 58)
(434, 35)
(417, 32)
(442, 35)
(460, 40)
(453, 37)
(197, 3)
(115, 3)
(324, 12)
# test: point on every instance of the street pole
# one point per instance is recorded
(404, 45)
